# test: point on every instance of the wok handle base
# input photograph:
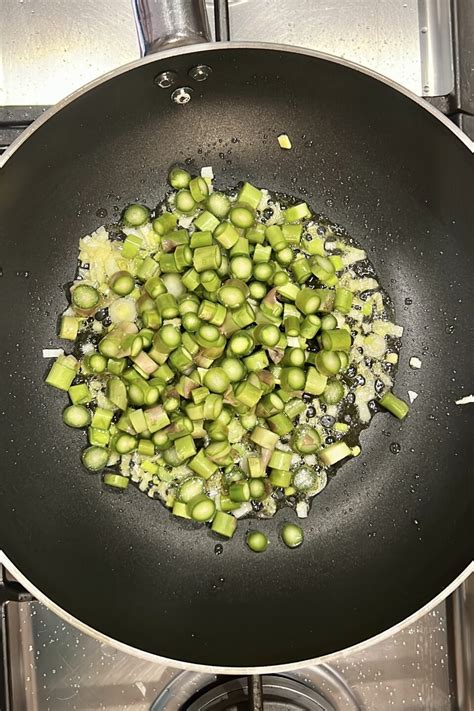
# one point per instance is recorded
(165, 24)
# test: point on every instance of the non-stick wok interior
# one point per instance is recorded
(391, 530)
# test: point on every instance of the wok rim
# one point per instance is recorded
(10, 566)
(224, 46)
(190, 666)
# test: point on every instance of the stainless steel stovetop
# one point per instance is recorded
(51, 47)
(48, 48)
(423, 667)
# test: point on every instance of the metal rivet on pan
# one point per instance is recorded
(200, 72)
(165, 79)
(182, 95)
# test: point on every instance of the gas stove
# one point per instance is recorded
(51, 47)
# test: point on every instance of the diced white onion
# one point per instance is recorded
(214, 487)
(332, 410)
(387, 328)
(97, 386)
(356, 314)
(207, 172)
(185, 221)
(378, 302)
(302, 509)
(145, 480)
(145, 230)
(365, 284)
(374, 345)
(104, 402)
(341, 320)
(125, 464)
(352, 255)
(243, 510)
(122, 310)
(268, 509)
(363, 396)
(100, 235)
(415, 362)
(52, 352)
(465, 400)
(412, 395)
(113, 459)
(263, 204)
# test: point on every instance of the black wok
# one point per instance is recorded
(391, 531)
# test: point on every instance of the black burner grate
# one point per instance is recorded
(279, 693)
(14, 120)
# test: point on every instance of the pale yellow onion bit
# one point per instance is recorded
(387, 328)
(284, 141)
(378, 302)
(352, 255)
